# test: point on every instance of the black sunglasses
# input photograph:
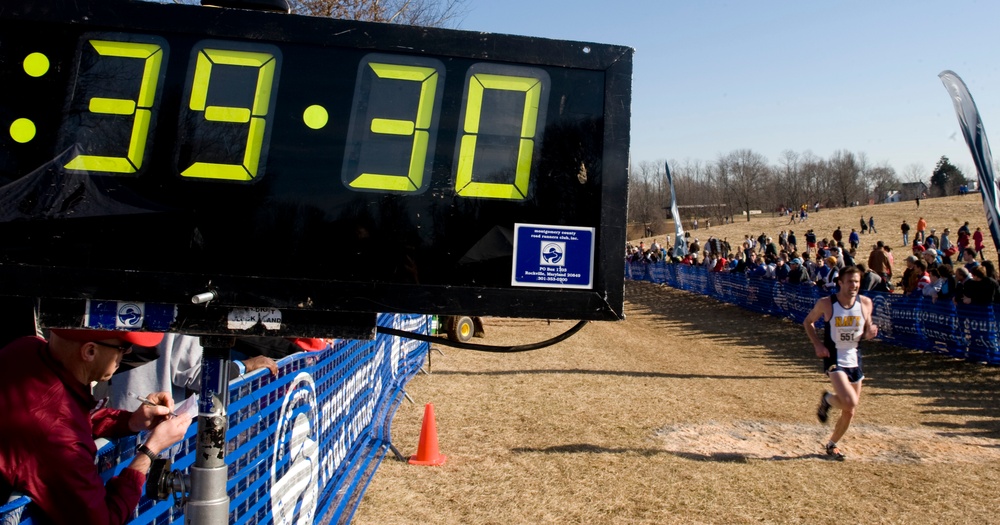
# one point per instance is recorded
(121, 348)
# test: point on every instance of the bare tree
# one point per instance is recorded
(881, 179)
(813, 171)
(845, 174)
(790, 184)
(644, 204)
(428, 13)
(914, 173)
(744, 174)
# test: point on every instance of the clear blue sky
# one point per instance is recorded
(714, 76)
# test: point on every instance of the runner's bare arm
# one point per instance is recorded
(871, 329)
(822, 310)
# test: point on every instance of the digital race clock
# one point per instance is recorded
(152, 152)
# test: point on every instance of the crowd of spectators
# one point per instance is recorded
(936, 267)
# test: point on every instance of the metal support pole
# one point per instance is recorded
(209, 502)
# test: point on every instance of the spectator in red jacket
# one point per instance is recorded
(977, 238)
(49, 419)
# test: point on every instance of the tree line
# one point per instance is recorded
(743, 180)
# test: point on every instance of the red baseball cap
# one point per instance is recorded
(311, 344)
(86, 336)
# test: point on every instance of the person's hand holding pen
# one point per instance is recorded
(156, 414)
(154, 408)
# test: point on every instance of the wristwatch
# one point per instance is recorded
(143, 449)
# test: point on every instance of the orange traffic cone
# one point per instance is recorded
(427, 450)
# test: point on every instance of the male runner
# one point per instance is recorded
(848, 318)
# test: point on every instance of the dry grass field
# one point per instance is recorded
(693, 411)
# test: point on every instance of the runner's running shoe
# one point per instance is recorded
(823, 410)
(833, 452)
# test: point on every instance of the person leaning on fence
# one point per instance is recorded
(782, 268)
(797, 274)
(49, 420)
(739, 263)
(981, 289)
(991, 271)
(721, 264)
(755, 267)
(869, 279)
(962, 276)
(920, 277)
(828, 274)
(847, 317)
(944, 287)
(906, 282)
(929, 289)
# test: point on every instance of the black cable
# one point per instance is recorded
(482, 348)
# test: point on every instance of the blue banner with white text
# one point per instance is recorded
(967, 332)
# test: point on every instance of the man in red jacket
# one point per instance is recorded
(49, 419)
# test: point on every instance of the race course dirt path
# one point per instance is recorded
(689, 411)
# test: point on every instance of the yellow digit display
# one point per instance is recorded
(494, 93)
(211, 76)
(139, 109)
(394, 124)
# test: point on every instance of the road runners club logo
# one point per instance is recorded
(553, 254)
(130, 315)
(295, 466)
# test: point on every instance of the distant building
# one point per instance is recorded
(909, 191)
(892, 196)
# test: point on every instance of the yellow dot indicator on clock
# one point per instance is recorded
(22, 130)
(36, 64)
(315, 116)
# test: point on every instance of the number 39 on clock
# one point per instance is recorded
(227, 108)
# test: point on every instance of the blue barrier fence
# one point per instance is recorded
(964, 331)
(302, 445)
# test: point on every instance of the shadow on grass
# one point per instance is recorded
(718, 457)
(587, 448)
(734, 457)
(940, 385)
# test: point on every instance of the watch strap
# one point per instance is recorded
(143, 449)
